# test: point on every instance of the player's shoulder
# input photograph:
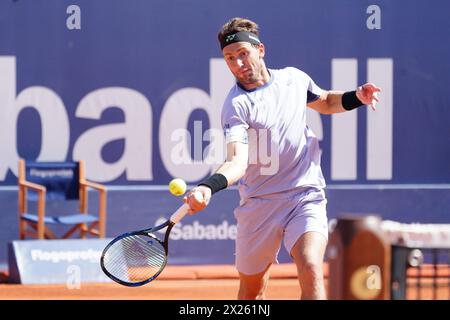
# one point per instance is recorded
(236, 97)
(236, 101)
(293, 75)
(293, 71)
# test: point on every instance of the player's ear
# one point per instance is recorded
(261, 50)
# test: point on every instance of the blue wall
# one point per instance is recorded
(115, 90)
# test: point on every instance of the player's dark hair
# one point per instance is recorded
(235, 25)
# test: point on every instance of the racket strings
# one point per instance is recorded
(135, 258)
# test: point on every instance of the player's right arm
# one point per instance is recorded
(232, 169)
(236, 163)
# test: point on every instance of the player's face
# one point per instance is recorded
(245, 61)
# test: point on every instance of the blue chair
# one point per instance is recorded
(58, 180)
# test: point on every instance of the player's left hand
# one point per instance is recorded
(368, 94)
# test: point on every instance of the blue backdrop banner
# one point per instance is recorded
(135, 88)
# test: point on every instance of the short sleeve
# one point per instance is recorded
(234, 122)
(313, 90)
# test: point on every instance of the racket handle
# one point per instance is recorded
(180, 213)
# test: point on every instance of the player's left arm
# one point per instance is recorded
(330, 102)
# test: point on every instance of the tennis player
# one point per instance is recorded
(286, 204)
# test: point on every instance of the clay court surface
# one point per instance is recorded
(206, 282)
(176, 283)
(221, 289)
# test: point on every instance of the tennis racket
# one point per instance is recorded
(136, 258)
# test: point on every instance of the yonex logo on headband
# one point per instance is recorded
(241, 36)
(230, 37)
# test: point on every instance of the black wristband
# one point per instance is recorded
(216, 182)
(350, 101)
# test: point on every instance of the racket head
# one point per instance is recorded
(136, 258)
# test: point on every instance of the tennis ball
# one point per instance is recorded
(177, 187)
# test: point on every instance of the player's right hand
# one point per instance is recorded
(197, 199)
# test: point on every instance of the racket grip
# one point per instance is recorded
(180, 213)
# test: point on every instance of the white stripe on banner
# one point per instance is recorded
(344, 133)
(380, 122)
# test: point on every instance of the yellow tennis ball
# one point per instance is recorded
(177, 187)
